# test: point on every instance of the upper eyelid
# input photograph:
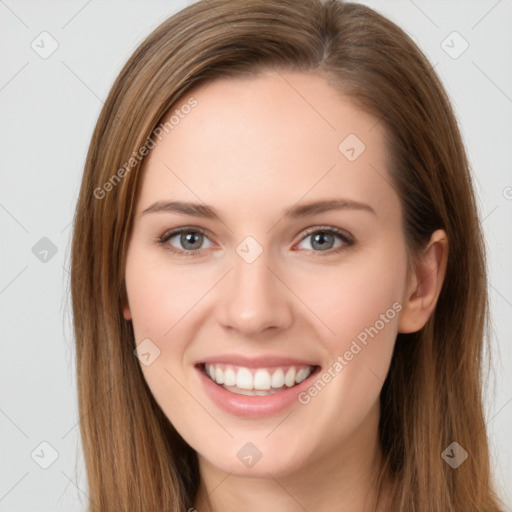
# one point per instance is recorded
(173, 232)
(332, 229)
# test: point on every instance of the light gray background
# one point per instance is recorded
(48, 111)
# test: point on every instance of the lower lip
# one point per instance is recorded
(253, 406)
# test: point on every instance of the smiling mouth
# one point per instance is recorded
(257, 381)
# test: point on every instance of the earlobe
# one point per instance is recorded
(124, 302)
(126, 313)
(424, 284)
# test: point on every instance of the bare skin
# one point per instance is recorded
(251, 149)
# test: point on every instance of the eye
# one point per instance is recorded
(323, 239)
(190, 239)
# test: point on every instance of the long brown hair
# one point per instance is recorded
(135, 460)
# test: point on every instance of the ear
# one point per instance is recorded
(424, 284)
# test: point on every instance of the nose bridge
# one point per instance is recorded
(253, 298)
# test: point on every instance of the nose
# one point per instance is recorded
(254, 298)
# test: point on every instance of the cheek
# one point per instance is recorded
(360, 303)
(161, 294)
(353, 296)
(164, 299)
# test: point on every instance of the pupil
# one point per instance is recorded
(189, 238)
(320, 238)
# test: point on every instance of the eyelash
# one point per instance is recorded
(347, 240)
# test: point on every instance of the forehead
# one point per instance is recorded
(266, 141)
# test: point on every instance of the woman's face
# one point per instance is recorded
(268, 287)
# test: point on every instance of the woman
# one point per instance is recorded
(278, 274)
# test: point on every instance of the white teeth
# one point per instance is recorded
(229, 377)
(278, 379)
(244, 379)
(289, 379)
(262, 380)
(257, 382)
(302, 374)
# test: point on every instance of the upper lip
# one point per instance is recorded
(256, 361)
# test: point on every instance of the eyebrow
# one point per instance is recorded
(293, 212)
